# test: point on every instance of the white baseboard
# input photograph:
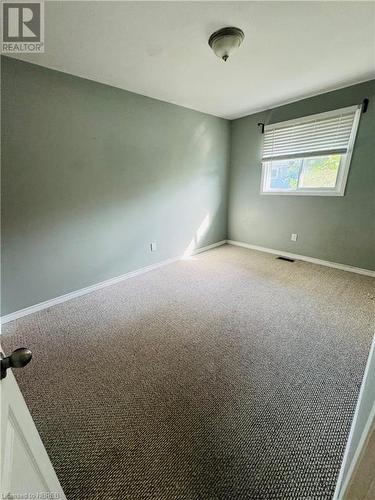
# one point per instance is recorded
(204, 249)
(336, 265)
(112, 281)
(83, 291)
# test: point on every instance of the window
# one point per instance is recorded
(310, 155)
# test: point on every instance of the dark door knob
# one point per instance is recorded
(18, 359)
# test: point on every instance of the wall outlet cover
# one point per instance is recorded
(153, 246)
(294, 237)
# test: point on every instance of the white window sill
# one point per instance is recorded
(302, 193)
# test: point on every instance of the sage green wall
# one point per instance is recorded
(92, 174)
(338, 229)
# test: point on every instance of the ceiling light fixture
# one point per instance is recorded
(225, 41)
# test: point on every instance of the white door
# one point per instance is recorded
(26, 470)
(357, 475)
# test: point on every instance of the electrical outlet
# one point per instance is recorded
(153, 246)
(294, 237)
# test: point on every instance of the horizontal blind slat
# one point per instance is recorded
(332, 133)
(306, 123)
(303, 148)
(305, 133)
(322, 147)
(308, 126)
(305, 154)
(327, 137)
(338, 127)
(319, 140)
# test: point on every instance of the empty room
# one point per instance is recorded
(187, 250)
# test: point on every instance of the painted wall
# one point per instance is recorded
(338, 229)
(92, 174)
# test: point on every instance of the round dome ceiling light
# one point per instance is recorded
(225, 41)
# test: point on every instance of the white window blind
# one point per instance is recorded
(315, 135)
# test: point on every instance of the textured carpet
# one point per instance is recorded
(232, 375)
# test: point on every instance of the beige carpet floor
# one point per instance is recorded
(232, 375)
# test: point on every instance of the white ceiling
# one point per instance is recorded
(159, 49)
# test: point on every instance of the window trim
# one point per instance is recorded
(343, 173)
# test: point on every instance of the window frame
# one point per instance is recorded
(343, 172)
